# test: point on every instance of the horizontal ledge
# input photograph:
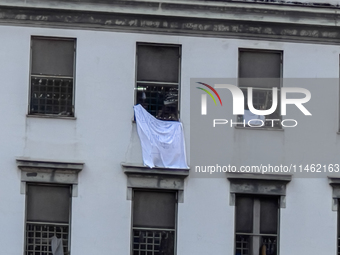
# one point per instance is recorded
(131, 168)
(269, 177)
(334, 180)
(51, 117)
(36, 164)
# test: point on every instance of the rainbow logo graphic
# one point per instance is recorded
(209, 93)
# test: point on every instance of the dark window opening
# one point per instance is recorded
(158, 69)
(52, 76)
(47, 215)
(256, 229)
(261, 70)
(154, 223)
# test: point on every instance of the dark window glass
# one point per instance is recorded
(52, 57)
(256, 65)
(269, 216)
(244, 215)
(154, 209)
(158, 63)
(48, 204)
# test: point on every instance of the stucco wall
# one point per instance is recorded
(100, 135)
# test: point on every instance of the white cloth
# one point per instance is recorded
(57, 246)
(162, 141)
(256, 119)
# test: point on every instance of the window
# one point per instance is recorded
(256, 226)
(52, 76)
(157, 83)
(47, 215)
(262, 71)
(154, 222)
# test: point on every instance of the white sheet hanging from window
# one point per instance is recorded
(162, 141)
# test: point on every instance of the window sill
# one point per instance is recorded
(51, 117)
(260, 128)
(45, 171)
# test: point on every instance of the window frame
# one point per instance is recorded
(132, 212)
(281, 52)
(155, 83)
(52, 38)
(256, 217)
(27, 184)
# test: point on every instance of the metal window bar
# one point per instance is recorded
(153, 241)
(262, 100)
(160, 100)
(243, 243)
(51, 95)
(38, 237)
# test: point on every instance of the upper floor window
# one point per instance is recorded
(256, 230)
(261, 70)
(52, 76)
(158, 79)
(154, 222)
(48, 219)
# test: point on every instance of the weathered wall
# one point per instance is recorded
(100, 135)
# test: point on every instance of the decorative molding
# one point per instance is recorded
(189, 18)
(155, 178)
(335, 183)
(258, 184)
(44, 171)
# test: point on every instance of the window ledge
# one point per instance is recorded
(140, 176)
(50, 117)
(260, 128)
(26, 164)
(36, 170)
(258, 184)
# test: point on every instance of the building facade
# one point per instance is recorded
(73, 177)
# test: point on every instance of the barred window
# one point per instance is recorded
(154, 222)
(52, 76)
(158, 70)
(256, 230)
(261, 70)
(47, 217)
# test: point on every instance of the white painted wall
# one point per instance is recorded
(100, 135)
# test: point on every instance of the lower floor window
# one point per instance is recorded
(154, 222)
(256, 225)
(47, 219)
